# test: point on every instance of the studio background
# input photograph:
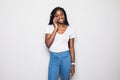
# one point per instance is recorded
(24, 56)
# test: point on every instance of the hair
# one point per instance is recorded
(52, 15)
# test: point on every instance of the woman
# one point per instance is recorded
(59, 39)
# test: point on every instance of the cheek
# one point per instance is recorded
(63, 17)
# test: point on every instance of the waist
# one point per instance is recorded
(60, 52)
(58, 47)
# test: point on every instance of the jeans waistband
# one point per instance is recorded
(59, 52)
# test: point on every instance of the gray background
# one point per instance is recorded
(24, 56)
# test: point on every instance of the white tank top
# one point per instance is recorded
(60, 42)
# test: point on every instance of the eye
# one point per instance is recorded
(62, 14)
(56, 16)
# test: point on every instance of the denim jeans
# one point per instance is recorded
(60, 63)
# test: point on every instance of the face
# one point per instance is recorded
(60, 16)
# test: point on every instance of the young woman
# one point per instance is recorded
(59, 39)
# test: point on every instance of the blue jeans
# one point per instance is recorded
(60, 63)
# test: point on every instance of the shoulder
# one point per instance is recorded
(71, 29)
(71, 32)
(49, 29)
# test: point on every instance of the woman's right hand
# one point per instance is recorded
(55, 23)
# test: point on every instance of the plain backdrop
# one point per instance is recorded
(24, 56)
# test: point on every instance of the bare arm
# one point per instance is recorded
(72, 51)
(49, 38)
(72, 54)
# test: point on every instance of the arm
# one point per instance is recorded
(49, 38)
(72, 55)
(72, 51)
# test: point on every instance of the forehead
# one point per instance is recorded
(59, 11)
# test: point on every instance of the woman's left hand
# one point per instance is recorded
(72, 70)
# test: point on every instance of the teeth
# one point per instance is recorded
(60, 19)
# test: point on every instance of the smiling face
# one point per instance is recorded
(60, 17)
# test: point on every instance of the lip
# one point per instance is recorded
(60, 19)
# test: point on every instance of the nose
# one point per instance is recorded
(60, 17)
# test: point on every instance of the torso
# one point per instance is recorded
(62, 37)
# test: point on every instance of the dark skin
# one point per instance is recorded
(60, 27)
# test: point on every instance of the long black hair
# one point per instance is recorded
(52, 15)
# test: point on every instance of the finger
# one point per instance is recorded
(70, 76)
(55, 18)
(72, 73)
